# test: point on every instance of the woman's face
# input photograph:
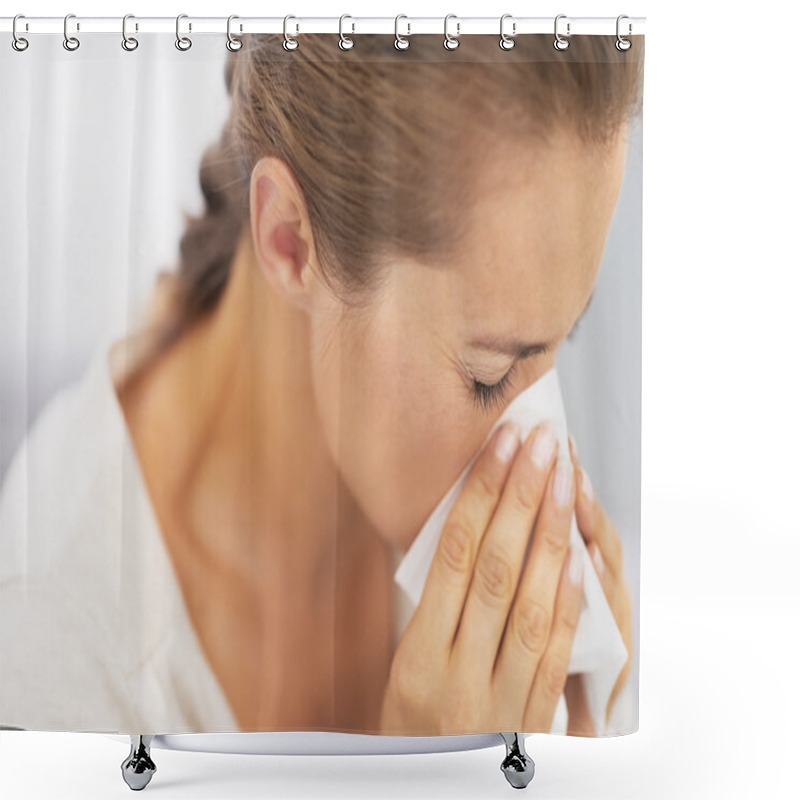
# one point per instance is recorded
(409, 390)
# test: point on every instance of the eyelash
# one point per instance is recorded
(487, 396)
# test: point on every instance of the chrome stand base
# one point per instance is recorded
(517, 766)
(138, 768)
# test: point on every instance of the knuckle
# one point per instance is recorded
(569, 623)
(495, 575)
(457, 546)
(554, 539)
(527, 493)
(553, 677)
(532, 625)
(486, 486)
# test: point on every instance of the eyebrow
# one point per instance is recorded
(517, 348)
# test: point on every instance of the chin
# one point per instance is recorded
(388, 516)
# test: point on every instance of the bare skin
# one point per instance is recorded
(286, 443)
(278, 670)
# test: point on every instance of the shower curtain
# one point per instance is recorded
(320, 382)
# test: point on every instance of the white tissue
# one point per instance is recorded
(598, 649)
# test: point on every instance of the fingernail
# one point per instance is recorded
(597, 558)
(586, 485)
(575, 565)
(562, 486)
(544, 444)
(507, 441)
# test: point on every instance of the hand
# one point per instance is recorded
(481, 653)
(605, 548)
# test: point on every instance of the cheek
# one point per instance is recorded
(396, 425)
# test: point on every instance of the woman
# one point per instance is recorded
(336, 344)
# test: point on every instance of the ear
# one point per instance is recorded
(281, 231)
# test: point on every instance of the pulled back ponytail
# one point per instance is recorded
(208, 243)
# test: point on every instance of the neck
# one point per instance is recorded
(250, 467)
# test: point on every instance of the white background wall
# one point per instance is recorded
(719, 603)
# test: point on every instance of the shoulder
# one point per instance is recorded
(58, 478)
(57, 664)
(72, 522)
(61, 505)
(163, 299)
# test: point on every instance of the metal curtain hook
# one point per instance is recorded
(128, 42)
(451, 42)
(70, 42)
(401, 42)
(19, 43)
(182, 42)
(290, 42)
(623, 44)
(345, 42)
(506, 41)
(560, 42)
(233, 44)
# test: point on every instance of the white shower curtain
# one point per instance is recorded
(99, 161)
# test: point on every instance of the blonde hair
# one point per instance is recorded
(385, 143)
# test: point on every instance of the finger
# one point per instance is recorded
(576, 465)
(627, 635)
(573, 447)
(502, 552)
(593, 522)
(530, 620)
(442, 599)
(606, 579)
(551, 675)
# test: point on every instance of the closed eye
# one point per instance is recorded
(489, 396)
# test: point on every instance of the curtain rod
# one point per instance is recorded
(297, 25)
